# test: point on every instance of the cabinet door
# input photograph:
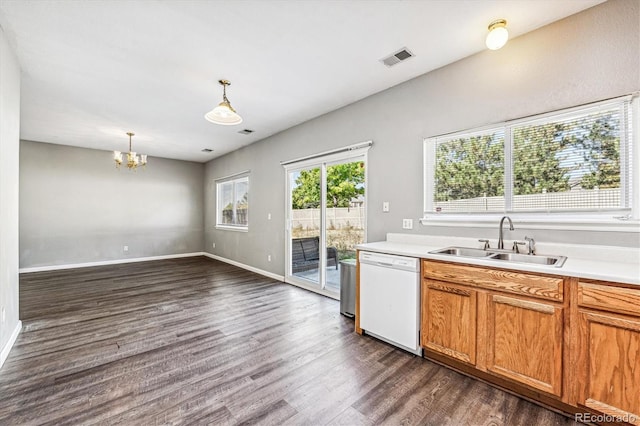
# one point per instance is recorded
(525, 342)
(609, 364)
(449, 320)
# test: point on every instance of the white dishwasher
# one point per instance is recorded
(390, 299)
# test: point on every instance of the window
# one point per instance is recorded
(233, 202)
(577, 161)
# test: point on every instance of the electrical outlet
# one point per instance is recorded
(213, 245)
(268, 216)
(385, 207)
(4, 314)
(407, 223)
(268, 258)
(125, 249)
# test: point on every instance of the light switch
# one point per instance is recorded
(385, 207)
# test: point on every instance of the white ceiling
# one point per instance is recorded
(93, 70)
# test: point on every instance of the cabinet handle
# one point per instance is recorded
(538, 307)
(448, 289)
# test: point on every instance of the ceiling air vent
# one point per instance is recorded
(245, 132)
(207, 150)
(397, 57)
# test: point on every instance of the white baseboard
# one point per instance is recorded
(7, 348)
(107, 262)
(247, 267)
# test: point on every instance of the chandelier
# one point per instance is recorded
(133, 160)
(224, 113)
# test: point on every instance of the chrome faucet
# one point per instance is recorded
(532, 245)
(500, 239)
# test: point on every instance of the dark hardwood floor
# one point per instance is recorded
(197, 341)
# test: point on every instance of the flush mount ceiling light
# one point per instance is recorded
(133, 161)
(224, 113)
(498, 34)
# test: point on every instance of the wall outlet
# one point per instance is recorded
(4, 314)
(268, 216)
(213, 245)
(268, 258)
(407, 223)
(125, 249)
(385, 207)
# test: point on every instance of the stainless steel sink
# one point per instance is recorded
(556, 261)
(463, 252)
(502, 256)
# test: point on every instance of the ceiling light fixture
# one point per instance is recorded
(133, 161)
(224, 113)
(498, 34)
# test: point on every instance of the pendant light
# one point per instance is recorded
(224, 113)
(498, 34)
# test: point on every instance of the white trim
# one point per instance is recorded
(428, 175)
(569, 224)
(565, 113)
(233, 228)
(330, 159)
(325, 155)
(105, 262)
(635, 157)
(7, 348)
(233, 176)
(243, 266)
(313, 289)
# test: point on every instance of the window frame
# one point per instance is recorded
(234, 179)
(621, 219)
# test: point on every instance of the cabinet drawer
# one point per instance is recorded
(543, 287)
(609, 298)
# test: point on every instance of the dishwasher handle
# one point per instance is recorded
(390, 261)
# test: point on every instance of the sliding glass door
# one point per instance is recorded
(344, 213)
(325, 219)
(305, 233)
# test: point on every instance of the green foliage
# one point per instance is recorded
(549, 158)
(537, 154)
(601, 152)
(469, 168)
(344, 183)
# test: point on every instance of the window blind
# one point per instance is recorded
(575, 160)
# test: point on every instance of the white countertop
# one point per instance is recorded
(607, 263)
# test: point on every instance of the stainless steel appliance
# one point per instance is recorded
(348, 287)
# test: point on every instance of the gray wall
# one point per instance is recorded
(586, 57)
(76, 207)
(9, 154)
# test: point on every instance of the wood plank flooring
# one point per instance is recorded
(197, 341)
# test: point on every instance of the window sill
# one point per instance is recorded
(566, 223)
(233, 228)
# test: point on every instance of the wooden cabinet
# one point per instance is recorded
(570, 343)
(515, 333)
(524, 341)
(449, 320)
(608, 353)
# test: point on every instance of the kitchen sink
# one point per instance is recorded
(556, 261)
(463, 252)
(502, 256)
